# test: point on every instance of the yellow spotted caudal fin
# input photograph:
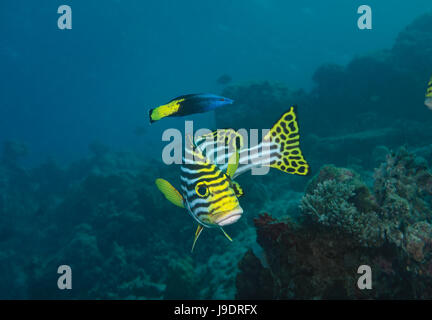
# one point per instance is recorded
(285, 134)
(197, 234)
(170, 192)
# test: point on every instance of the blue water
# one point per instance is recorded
(62, 89)
(83, 192)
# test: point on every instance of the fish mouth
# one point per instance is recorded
(229, 217)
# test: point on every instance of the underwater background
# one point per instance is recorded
(79, 158)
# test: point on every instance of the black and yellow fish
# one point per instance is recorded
(188, 104)
(428, 100)
(208, 190)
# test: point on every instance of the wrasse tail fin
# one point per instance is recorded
(285, 134)
(156, 114)
(170, 193)
(166, 110)
(150, 116)
(197, 234)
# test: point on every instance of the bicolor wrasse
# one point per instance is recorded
(187, 105)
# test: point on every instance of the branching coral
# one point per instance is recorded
(337, 198)
(346, 225)
(401, 184)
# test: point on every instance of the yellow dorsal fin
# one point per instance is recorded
(233, 163)
(170, 192)
(197, 234)
(197, 152)
(285, 133)
(226, 234)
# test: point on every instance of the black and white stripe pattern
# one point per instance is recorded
(266, 153)
(200, 170)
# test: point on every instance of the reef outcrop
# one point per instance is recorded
(346, 224)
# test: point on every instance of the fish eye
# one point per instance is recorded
(201, 190)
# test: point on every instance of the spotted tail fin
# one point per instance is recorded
(285, 135)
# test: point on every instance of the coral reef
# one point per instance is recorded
(345, 225)
(337, 197)
(400, 199)
(103, 216)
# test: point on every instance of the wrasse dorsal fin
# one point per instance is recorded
(285, 134)
(170, 193)
(184, 97)
(197, 234)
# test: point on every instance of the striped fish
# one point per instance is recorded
(428, 100)
(212, 162)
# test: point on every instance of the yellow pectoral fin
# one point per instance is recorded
(226, 235)
(197, 234)
(170, 192)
